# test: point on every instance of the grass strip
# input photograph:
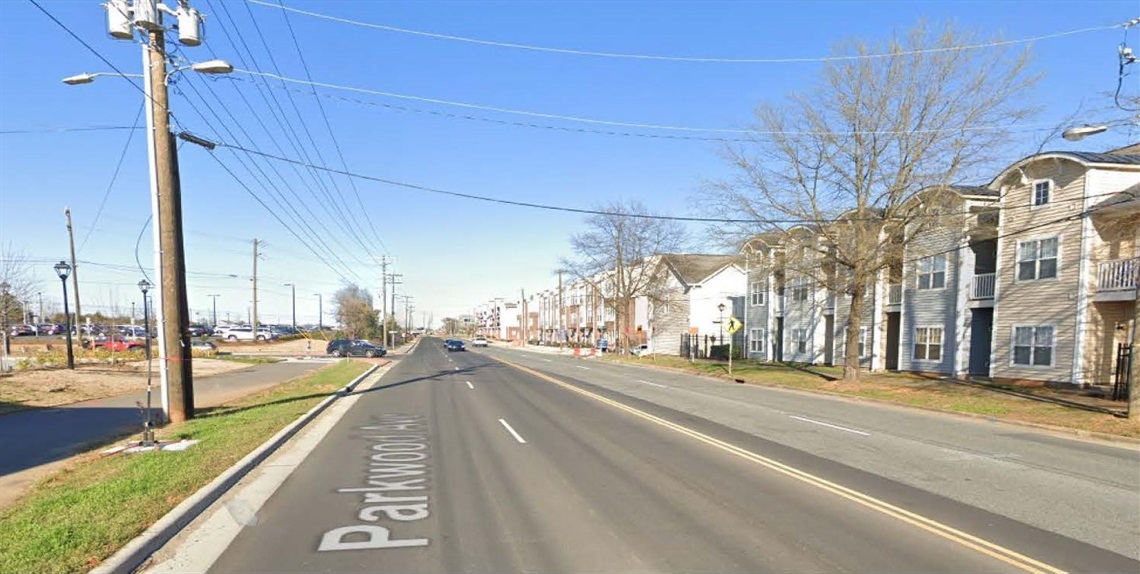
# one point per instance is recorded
(903, 388)
(72, 521)
(248, 360)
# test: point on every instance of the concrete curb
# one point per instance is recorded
(135, 553)
(1052, 428)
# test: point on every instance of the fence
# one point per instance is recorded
(712, 346)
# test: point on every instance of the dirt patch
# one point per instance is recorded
(296, 347)
(55, 387)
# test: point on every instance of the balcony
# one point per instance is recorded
(982, 286)
(1116, 280)
(894, 293)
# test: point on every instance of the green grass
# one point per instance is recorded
(75, 519)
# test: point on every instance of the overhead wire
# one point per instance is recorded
(351, 217)
(66, 130)
(114, 178)
(695, 59)
(585, 211)
(579, 119)
(332, 135)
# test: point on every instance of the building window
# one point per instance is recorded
(757, 292)
(928, 344)
(756, 341)
(1041, 192)
(799, 337)
(932, 272)
(800, 292)
(1033, 346)
(1037, 259)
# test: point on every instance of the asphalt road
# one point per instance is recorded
(456, 462)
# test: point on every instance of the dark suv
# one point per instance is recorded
(354, 348)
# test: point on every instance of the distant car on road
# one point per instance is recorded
(354, 348)
(455, 345)
(479, 342)
(198, 331)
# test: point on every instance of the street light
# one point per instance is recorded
(148, 426)
(63, 270)
(215, 298)
(320, 312)
(1078, 133)
(293, 288)
(721, 309)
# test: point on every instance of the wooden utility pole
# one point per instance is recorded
(172, 266)
(392, 277)
(74, 267)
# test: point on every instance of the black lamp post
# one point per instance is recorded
(148, 424)
(721, 309)
(64, 270)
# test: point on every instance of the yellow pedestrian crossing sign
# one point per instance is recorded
(734, 325)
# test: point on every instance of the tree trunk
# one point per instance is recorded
(851, 339)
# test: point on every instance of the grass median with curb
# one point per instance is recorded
(72, 521)
(904, 389)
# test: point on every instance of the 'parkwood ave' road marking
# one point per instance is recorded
(512, 431)
(829, 425)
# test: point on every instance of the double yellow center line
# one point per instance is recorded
(944, 531)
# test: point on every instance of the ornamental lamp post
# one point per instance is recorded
(721, 309)
(64, 270)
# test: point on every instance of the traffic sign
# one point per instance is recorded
(734, 325)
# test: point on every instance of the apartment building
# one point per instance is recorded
(1036, 279)
(1067, 266)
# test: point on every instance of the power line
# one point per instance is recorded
(548, 127)
(695, 59)
(351, 217)
(114, 176)
(66, 130)
(548, 207)
(328, 125)
(597, 121)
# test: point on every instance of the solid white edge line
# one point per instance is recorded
(512, 431)
(654, 384)
(829, 425)
(469, 385)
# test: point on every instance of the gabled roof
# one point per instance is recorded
(974, 190)
(692, 269)
(1086, 158)
(1130, 149)
(1094, 157)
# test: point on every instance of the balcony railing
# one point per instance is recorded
(1118, 274)
(983, 286)
(894, 294)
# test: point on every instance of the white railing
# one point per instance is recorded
(983, 285)
(1118, 274)
(894, 294)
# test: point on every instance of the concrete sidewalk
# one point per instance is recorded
(36, 442)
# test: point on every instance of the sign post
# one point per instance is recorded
(734, 325)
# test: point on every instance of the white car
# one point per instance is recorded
(641, 350)
(246, 334)
(479, 342)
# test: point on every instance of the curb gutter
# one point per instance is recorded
(135, 552)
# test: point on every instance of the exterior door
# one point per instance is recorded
(829, 340)
(981, 341)
(894, 321)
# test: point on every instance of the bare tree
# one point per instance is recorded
(353, 308)
(20, 286)
(616, 255)
(922, 112)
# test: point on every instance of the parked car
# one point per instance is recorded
(115, 343)
(246, 334)
(132, 331)
(201, 345)
(641, 350)
(23, 331)
(479, 342)
(455, 345)
(198, 331)
(354, 348)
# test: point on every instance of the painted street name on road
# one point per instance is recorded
(397, 469)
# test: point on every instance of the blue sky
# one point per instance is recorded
(453, 253)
